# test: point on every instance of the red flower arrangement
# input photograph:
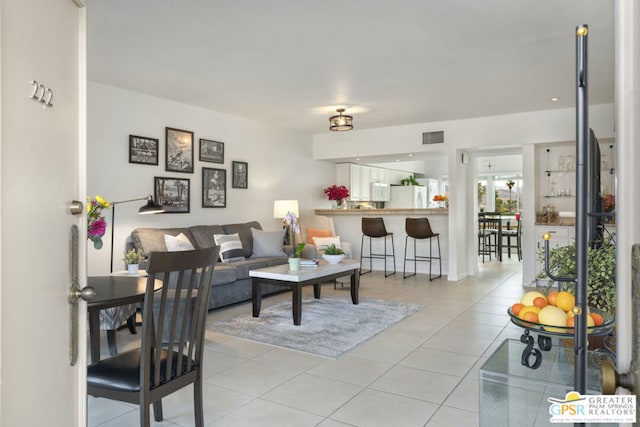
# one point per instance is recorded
(337, 193)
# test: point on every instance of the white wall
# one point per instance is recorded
(280, 165)
(472, 135)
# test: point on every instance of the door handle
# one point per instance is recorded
(75, 293)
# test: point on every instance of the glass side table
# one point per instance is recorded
(514, 395)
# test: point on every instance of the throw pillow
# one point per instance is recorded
(312, 232)
(178, 243)
(267, 243)
(322, 243)
(230, 247)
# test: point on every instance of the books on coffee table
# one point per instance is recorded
(309, 263)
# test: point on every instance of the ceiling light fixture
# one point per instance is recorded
(555, 98)
(340, 122)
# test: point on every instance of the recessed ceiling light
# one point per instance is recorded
(555, 98)
(397, 160)
(410, 155)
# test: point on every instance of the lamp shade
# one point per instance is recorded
(340, 122)
(281, 207)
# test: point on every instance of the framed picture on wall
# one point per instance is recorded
(214, 188)
(179, 150)
(240, 174)
(173, 194)
(143, 150)
(211, 151)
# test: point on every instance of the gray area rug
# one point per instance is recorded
(330, 325)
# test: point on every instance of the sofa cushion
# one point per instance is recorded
(178, 243)
(313, 232)
(230, 247)
(152, 239)
(244, 231)
(203, 235)
(267, 243)
(224, 274)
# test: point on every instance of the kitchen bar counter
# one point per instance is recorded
(390, 211)
(348, 226)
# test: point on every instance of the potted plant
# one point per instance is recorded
(410, 180)
(133, 258)
(601, 265)
(333, 254)
(294, 259)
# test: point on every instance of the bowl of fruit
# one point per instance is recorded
(554, 314)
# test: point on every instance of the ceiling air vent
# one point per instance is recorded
(433, 137)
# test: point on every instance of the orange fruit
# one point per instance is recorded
(526, 309)
(530, 316)
(565, 301)
(540, 302)
(551, 297)
(597, 319)
(515, 308)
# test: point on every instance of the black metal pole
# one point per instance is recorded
(113, 226)
(582, 150)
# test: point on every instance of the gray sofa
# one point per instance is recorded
(231, 282)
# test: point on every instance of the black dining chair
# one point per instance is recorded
(516, 234)
(173, 325)
(487, 234)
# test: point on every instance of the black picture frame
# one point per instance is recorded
(143, 150)
(179, 148)
(214, 188)
(240, 173)
(211, 151)
(173, 194)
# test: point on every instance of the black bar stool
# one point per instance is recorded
(418, 229)
(374, 228)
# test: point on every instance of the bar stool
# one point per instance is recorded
(419, 229)
(374, 228)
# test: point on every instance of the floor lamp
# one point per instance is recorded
(149, 208)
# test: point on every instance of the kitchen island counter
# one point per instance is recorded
(348, 224)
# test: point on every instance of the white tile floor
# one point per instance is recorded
(422, 371)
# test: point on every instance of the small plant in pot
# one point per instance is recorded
(133, 258)
(294, 259)
(333, 254)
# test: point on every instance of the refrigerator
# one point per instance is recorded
(408, 196)
(433, 188)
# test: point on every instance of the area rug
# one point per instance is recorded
(330, 326)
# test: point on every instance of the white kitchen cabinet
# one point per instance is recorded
(350, 175)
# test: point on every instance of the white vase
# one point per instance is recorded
(133, 268)
(294, 264)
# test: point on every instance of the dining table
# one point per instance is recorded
(112, 291)
(497, 222)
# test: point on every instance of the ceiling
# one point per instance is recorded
(292, 62)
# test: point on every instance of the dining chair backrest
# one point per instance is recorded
(173, 326)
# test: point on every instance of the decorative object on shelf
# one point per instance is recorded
(148, 208)
(240, 171)
(340, 122)
(283, 209)
(296, 256)
(214, 188)
(179, 147)
(410, 180)
(333, 254)
(173, 194)
(337, 195)
(443, 200)
(211, 151)
(143, 150)
(96, 224)
(133, 258)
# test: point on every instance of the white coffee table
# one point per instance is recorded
(280, 275)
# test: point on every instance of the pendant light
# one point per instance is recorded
(340, 122)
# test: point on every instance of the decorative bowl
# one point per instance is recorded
(565, 331)
(333, 259)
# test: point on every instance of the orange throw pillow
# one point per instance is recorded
(312, 232)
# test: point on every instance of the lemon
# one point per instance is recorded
(552, 315)
(528, 308)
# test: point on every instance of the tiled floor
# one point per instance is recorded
(421, 372)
